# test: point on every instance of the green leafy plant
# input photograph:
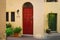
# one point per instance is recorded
(8, 25)
(17, 30)
(9, 31)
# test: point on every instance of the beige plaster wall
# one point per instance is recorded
(53, 7)
(41, 9)
(38, 14)
(2, 19)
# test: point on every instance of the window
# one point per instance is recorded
(51, 0)
(7, 16)
(12, 16)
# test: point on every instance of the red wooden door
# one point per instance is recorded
(27, 20)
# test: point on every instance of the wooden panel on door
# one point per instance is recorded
(27, 21)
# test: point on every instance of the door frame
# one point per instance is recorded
(24, 5)
(56, 21)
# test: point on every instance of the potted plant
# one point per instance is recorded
(8, 25)
(48, 31)
(9, 32)
(17, 30)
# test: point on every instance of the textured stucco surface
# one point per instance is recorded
(2, 19)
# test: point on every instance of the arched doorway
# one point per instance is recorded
(27, 18)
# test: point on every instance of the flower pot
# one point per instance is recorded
(16, 35)
(48, 31)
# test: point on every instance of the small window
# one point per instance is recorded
(12, 16)
(7, 16)
(51, 0)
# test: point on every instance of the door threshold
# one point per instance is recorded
(53, 32)
(27, 35)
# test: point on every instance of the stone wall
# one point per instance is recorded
(2, 19)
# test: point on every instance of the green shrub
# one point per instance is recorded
(17, 30)
(9, 31)
(8, 25)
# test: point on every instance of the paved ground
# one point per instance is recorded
(22, 38)
(53, 36)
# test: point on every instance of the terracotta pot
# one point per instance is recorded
(16, 35)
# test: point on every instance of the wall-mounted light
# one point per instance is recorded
(18, 11)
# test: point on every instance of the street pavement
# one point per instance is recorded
(52, 36)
